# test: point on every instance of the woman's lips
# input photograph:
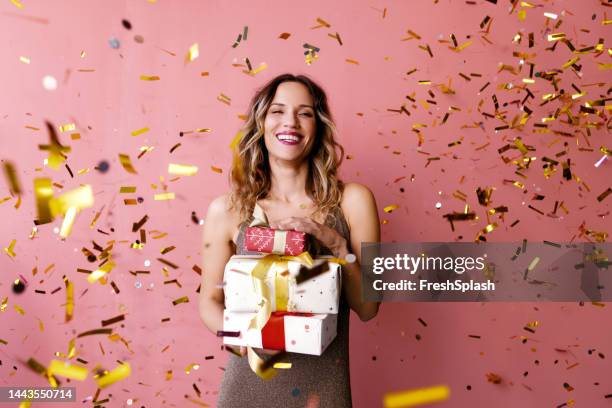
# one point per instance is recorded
(292, 141)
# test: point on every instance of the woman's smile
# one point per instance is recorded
(290, 138)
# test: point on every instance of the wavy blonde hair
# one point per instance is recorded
(250, 176)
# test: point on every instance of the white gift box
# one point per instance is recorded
(302, 334)
(319, 294)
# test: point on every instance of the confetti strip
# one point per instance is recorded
(57, 152)
(11, 177)
(416, 397)
(182, 169)
(10, 249)
(224, 99)
(183, 299)
(67, 370)
(100, 272)
(149, 78)
(78, 198)
(140, 131)
(193, 53)
(126, 162)
(164, 196)
(390, 208)
(121, 372)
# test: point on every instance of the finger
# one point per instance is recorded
(243, 351)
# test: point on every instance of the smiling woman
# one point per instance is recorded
(286, 164)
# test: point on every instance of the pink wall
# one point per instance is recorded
(108, 104)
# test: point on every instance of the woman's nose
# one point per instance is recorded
(290, 120)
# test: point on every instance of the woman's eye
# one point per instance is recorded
(306, 114)
(277, 111)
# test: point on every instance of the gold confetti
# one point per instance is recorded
(484, 195)
(149, 78)
(200, 130)
(126, 162)
(127, 189)
(10, 249)
(167, 249)
(183, 299)
(25, 60)
(533, 264)
(556, 37)
(19, 310)
(17, 3)
(163, 196)
(391, 207)
(11, 176)
(140, 131)
(69, 300)
(67, 127)
(216, 169)
(224, 98)
(284, 36)
(352, 61)
(253, 72)
(194, 52)
(182, 169)
(67, 370)
(417, 396)
(78, 198)
(121, 372)
(190, 367)
(100, 272)
(68, 222)
(56, 150)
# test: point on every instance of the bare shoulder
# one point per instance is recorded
(358, 202)
(355, 193)
(222, 216)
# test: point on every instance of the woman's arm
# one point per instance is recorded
(359, 208)
(216, 251)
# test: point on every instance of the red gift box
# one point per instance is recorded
(273, 333)
(271, 241)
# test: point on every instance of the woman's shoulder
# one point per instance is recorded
(220, 204)
(357, 201)
(355, 193)
(221, 212)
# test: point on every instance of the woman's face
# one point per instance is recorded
(290, 123)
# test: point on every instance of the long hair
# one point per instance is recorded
(250, 176)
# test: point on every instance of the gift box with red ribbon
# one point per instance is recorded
(302, 333)
(270, 241)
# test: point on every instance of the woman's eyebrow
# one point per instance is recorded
(299, 106)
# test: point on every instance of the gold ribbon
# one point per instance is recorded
(277, 264)
(280, 239)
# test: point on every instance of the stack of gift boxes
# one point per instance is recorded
(299, 293)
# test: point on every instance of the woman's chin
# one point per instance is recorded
(287, 158)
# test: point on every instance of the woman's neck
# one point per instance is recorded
(288, 181)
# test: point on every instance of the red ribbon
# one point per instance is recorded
(273, 333)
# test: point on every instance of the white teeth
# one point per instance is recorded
(288, 137)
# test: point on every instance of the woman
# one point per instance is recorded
(286, 163)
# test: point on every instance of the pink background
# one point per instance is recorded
(108, 104)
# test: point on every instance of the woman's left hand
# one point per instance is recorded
(329, 237)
